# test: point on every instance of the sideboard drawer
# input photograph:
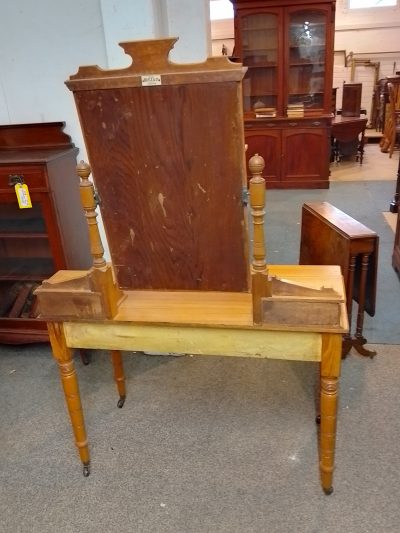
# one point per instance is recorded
(33, 176)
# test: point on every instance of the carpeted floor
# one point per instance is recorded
(203, 444)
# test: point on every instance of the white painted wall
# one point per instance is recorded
(43, 42)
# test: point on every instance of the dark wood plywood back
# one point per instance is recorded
(168, 163)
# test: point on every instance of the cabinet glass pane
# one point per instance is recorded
(307, 50)
(260, 55)
(24, 247)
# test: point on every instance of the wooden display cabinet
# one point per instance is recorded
(51, 235)
(287, 47)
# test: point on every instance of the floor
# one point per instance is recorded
(376, 166)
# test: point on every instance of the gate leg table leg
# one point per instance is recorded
(63, 356)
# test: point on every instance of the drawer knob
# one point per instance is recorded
(293, 124)
(13, 179)
(316, 123)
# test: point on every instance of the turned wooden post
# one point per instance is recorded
(101, 274)
(63, 355)
(119, 377)
(260, 283)
(89, 205)
(330, 372)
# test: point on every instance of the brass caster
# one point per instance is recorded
(121, 401)
(86, 469)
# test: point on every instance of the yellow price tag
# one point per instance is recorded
(23, 197)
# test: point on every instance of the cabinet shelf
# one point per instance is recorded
(19, 235)
(296, 46)
(258, 50)
(269, 30)
(262, 65)
(306, 64)
(26, 268)
(22, 225)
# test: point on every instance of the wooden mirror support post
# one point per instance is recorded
(260, 284)
(101, 274)
(80, 293)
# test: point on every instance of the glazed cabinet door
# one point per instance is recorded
(305, 157)
(309, 57)
(259, 45)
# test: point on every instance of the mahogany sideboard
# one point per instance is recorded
(36, 241)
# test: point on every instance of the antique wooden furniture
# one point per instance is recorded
(351, 99)
(394, 204)
(348, 137)
(287, 46)
(394, 111)
(171, 199)
(394, 208)
(380, 101)
(389, 132)
(329, 236)
(51, 235)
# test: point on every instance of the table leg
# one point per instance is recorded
(359, 339)
(116, 358)
(64, 358)
(330, 371)
(347, 340)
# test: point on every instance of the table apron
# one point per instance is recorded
(289, 345)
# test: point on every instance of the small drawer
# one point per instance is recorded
(33, 176)
(260, 123)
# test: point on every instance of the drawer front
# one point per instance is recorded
(289, 123)
(262, 125)
(307, 123)
(33, 176)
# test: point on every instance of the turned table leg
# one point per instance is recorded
(63, 356)
(116, 358)
(330, 371)
(359, 339)
(347, 340)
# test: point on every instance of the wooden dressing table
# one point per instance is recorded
(175, 216)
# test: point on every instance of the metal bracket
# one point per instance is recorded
(13, 179)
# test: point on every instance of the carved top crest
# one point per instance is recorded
(151, 57)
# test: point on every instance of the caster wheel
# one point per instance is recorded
(86, 470)
(121, 402)
(329, 491)
(318, 419)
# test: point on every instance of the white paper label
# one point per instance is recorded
(151, 79)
